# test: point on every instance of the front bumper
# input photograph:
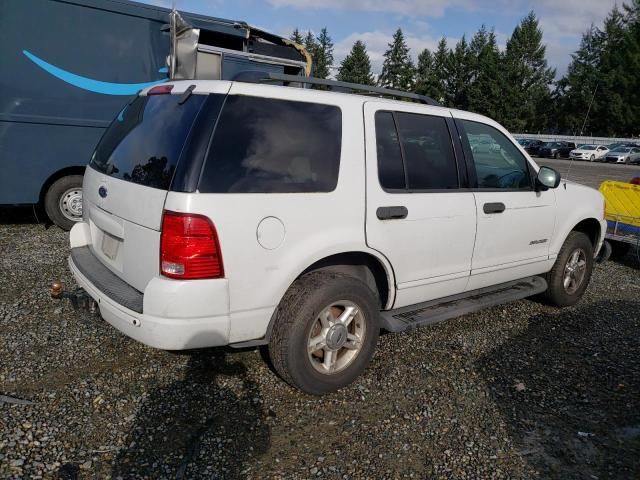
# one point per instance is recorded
(174, 314)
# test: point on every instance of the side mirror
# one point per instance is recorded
(547, 178)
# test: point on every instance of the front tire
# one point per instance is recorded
(63, 201)
(570, 275)
(325, 332)
(592, 158)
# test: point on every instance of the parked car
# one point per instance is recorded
(623, 155)
(532, 147)
(556, 149)
(622, 144)
(243, 214)
(592, 153)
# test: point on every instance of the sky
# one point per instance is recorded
(424, 22)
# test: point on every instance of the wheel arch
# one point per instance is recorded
(365, 265)
(362, 265)
(591, 228)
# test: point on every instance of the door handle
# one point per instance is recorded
(392, 213)
(497, 207)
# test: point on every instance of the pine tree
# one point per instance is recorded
(356, 67)
(459, 67)
(485, 88)
(527, 95)
(397, 68)
(311, 45)
(424, 73)
(439, 81)
(296, 36)
(323, 58)
(602, 78)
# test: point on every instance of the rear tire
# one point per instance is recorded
(325, 332)
(63, 201)
(570, 275)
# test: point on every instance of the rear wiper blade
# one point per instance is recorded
(187, 93)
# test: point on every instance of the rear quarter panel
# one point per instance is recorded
(315, 225)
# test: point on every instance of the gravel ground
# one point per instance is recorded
(517, 391)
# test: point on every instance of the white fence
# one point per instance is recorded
(576, 139)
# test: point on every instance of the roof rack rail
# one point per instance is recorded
(255, 76)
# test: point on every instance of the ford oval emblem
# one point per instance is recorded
(102, 191)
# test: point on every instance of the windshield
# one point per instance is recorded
(621, 149)
(143, 144)
(588, 147)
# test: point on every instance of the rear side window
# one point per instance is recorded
(390, 168)
(419, 145)
(428, 152)
(143, 144)
(264, 145)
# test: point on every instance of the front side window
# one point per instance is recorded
(498, 162)
(265, 145)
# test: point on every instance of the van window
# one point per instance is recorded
(390, 169)
(144, 142)
(265, 145)
(498, 162)
(428, 152)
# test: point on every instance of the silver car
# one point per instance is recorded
(623, 155)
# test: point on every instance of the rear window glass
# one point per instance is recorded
(264, 145)
(144, 142)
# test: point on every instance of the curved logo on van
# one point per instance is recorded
(89, 84)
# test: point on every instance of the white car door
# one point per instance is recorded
(418, 215)
(515, 222)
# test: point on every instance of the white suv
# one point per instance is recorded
(234, 213)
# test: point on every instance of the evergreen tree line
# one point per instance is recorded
(514, 86)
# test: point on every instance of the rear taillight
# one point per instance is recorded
(189, 247)
(160, 90)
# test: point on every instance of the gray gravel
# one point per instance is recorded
(518, 391)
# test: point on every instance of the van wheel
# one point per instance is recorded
(570, 275)
(63, 201)
(325, 332)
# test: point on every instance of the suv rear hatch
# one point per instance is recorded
(126, 183)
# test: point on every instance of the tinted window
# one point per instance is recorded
(264, 145)
(390, 169)
(144, 142)
(498, 162)
(428, 151)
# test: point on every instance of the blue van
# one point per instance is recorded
(68, 67)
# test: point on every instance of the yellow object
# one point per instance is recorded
(622, 200)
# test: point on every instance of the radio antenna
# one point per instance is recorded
(584, 123)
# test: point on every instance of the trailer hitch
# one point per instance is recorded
(78, 297)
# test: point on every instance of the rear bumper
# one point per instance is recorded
(175, 315)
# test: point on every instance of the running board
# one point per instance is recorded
(427, 313)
